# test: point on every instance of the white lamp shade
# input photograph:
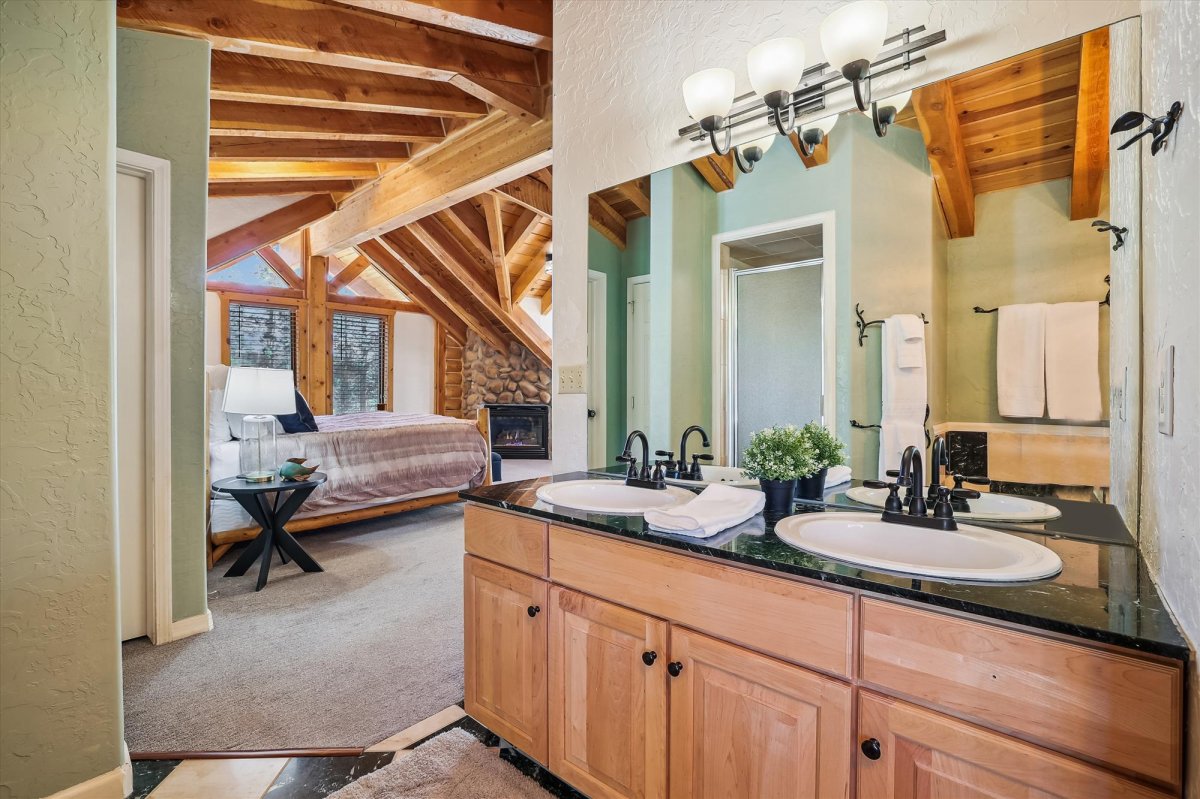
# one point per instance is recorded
(854, 32)
(824, 124)
(268, 392)
(776, 65)
(709, 93)
(763, 143)
(897, 101)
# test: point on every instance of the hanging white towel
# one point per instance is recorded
(1073, 361)
(905, 395)
(717, 507)
(1021, 359)
(910, 344)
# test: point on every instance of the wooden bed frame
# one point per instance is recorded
(220, 543)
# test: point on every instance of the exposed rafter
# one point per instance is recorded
(256, 233)
(251, 148)
(529, 192)
(263, 188)
(528, 22)
(718, 171)
(604, 218)
(280, 267)
(495, 223)
(936, 114)
(1091, 126)
(520, 229)
(267, 121)
(349, 273)
(224, 171)
(413, 287)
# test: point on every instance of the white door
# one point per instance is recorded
(597, 369)
(638, 353)
(130, 401)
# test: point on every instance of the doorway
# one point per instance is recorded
(637, 412)
(597, 369)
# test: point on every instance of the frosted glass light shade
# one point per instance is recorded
(896, 101)
(709, 93)
(252, 390)
(854, 32)
(764, 143)
(776, 65)
(824, 124)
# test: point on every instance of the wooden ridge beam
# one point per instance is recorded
(262, 188)
(280, 267)
(411, 285)
(495, 223)
(247, 238)
(248, 78)
(605, 219)
(938, 118)
(1091, 126)
(254, 148)
(718, 171)
(225, 171)
(227, 118)
(349, 273)
(528, 23)
(481, 156)
(529, 192)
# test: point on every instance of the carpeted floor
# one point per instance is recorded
(345, 657)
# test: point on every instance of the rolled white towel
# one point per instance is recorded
(717, 508)
(837, 475)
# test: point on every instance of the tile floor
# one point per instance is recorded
(314, 777)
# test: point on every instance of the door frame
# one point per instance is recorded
(722, 329)
(630, 337)
(597, 285)
(156, 172)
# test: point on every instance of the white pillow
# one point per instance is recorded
(218, 425)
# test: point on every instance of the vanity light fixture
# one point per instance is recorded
(708, 95)
(775, 68)
(851, 38)
(884, 112)
(812, 134)
(747, 155)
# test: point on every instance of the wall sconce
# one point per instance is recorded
(851, 38)
(1161, 127)
(884, 112)
(775, 68)
(812, 134)
(747, 155)
(708, 95)
(1104, 226)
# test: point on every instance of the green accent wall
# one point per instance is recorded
(60, 668)
(162, 110)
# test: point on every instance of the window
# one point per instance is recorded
(360, 362)
(262, 335)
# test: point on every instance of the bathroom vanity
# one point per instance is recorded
(633, 664)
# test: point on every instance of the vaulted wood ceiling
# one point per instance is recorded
(610, 210)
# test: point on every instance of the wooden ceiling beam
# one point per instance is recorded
(605, 219)
(548, 298)
(718, 171)
(468, 265)
(253, 148)
(521, 228)
(529, 192)
(495, 223)
(528, 22)
(1091, 126)
(256, 233)
(637, 193)
(254, 188)
(347, 302)
(227, 171)
(299, 122)
(482, 156)
(470, 224)
(936, 114)
(262, 291)
(248, 78)
(280, 267)
(535, 269)
(411, 285)
(349, 273)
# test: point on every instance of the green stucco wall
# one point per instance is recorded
(162, 110)
(60, 672)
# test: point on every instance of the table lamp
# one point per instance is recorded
(261, 394)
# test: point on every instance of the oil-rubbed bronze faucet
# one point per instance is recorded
(910, 476)
(641, 478)
(692, 473)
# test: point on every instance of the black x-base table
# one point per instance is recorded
(267, 505)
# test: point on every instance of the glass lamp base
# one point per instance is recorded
(256, 449)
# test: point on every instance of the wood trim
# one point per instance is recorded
(1090, 161)
(483, 423)
(718, 171)
(341, 302)
(109, 785)
(225, 357)
(939, 122)
(439, 368)
(255, 298)
(246, 754)
(247, 238)
(262, 292)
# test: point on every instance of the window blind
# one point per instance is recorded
(262, 336)
(360, 362)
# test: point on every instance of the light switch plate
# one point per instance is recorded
(1166, 390)
(570, 380)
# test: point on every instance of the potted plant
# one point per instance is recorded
(778, 456)
(828, 451)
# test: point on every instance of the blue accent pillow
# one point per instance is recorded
(301, 421)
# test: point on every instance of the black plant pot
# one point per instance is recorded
(780, 494)
(813, 486)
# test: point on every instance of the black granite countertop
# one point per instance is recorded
(1104, 592)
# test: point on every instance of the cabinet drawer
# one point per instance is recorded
(790, 620)
(516, 541)
(1101, 705)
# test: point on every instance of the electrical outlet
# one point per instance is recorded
(570, 380)
(1166, 390)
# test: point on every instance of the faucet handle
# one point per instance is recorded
(963, 493)
(892, 503)
(975, 481)
(626, 457)
(703, 456)
(665, 453)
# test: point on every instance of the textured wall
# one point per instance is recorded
(618, 67)
(60, 689)
(162, 110)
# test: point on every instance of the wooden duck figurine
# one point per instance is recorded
(295, 470)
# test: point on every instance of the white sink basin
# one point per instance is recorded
(970, 553)
(729, 475)
(989, 507)
(610, 496)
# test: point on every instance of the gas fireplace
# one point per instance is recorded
(520, 431)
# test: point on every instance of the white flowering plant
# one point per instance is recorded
(827, 448)
(779, 453)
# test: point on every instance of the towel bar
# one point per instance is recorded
(862, 324)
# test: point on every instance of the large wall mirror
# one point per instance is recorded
(739, 301)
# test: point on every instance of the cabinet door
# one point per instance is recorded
(505, 653)
(745, 725)
(608, 697)
(907, 752)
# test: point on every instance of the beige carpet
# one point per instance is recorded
(454, 765)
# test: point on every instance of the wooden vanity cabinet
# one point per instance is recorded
(505, 655)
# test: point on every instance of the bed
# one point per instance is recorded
(378, 463)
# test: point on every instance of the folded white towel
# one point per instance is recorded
(1073, 361)
(904, 398)
(717, 507)
(1021, 359)
(837, 475)
(909, 337)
